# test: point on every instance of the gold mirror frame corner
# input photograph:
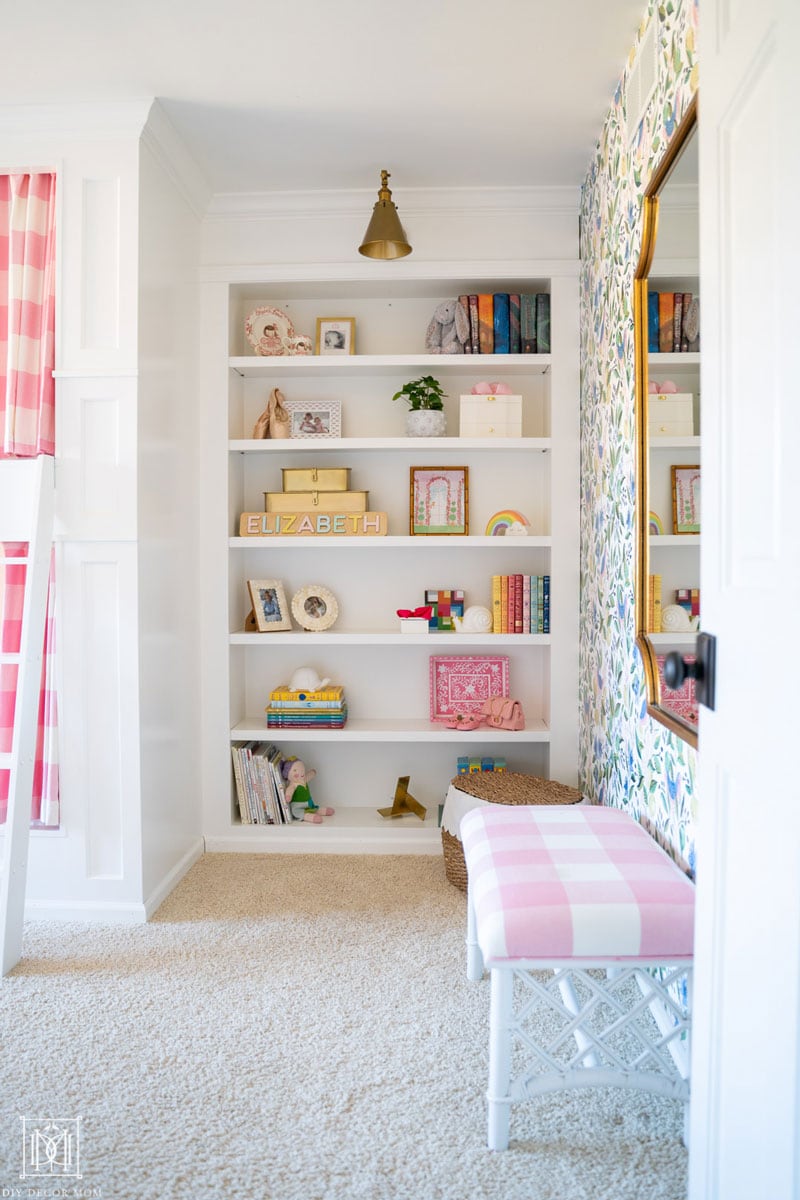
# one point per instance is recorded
(650, 205)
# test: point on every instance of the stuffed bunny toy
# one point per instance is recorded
(448, 331)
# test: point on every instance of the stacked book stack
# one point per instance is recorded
(323, 709)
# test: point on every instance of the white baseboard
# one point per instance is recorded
(160, 893)
(111, 912)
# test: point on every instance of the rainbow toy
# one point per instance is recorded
(507, 522)
(655, 526)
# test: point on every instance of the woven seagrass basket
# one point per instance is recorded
(504, 787)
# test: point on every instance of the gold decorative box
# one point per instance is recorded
(316, 479)
(490, 416)
(345, 502)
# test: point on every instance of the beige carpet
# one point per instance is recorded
(297, 1028)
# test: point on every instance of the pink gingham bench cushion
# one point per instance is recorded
(573, 882)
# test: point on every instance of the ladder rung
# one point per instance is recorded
(5, 759)
(7, 657)
(14, 560)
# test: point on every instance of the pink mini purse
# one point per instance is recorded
(501, 713)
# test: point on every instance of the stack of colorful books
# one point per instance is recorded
(323, 709)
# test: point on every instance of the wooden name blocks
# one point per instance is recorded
(313, 524)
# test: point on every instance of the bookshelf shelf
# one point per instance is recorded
(399, 729)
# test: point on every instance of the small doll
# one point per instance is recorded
(298, 795)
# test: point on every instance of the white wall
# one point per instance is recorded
(167, 489)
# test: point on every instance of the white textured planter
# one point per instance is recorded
(426, 422)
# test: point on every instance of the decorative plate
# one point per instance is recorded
(266, 328)
(315, 607)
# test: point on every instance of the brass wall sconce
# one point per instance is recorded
(385, 237)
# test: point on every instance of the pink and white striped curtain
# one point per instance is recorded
(27, 419)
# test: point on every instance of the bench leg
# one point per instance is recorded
(474, 956)
(500, 1017)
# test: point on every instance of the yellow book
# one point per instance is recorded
(335, 692)
(497, 599)
(504, 604)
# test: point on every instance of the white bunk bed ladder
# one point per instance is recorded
(26, 515)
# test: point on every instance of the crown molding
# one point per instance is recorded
(299, 205)
(162, 139)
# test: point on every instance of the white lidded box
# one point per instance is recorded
(670, 414)
(490, 416)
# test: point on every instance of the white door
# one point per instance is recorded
(745, 1122)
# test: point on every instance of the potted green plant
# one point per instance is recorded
(425, 399)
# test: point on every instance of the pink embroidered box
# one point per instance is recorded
(573, 883)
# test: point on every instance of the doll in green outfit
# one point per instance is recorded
(298, 794)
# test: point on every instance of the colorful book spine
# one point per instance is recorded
(655, 590)
(540, 605)
(518, 601)
(527, 323)
(526, 604)
(666, 317)
(695, 602)
(501, 323)
(474, 325)
(514, 337)
(677, 323)
(543, 323)
(652, 322)
(464, 302)
(545, 604)
(687, 300)
(486, 323)
(534, 585)
(504, 604)
(497, 599)
(336, 692)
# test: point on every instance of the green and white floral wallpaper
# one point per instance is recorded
(626, 759)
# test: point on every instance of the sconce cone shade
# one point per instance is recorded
(385, 237)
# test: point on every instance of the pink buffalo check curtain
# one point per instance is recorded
(27, 419)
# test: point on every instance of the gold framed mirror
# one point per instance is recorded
(668, 502)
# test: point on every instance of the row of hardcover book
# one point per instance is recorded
(501, 323)
(259, 784)
(673, 323)
(520, 604)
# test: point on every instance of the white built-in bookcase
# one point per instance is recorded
(385, 673)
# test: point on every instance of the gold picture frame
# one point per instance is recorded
(439, 501)
(270, 610)
(336, 335)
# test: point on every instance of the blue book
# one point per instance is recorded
(542, 322)
(546, 605)
(652, 322)
(514, 335)
(501, 323)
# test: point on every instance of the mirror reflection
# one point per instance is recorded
(668, 501)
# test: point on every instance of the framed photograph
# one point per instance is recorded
(315, 607)
(462, 683)
(336, 335)
(686, 499)
(439, 501)
(314, 418)
(270, 609)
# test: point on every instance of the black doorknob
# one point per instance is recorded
(677, 670)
